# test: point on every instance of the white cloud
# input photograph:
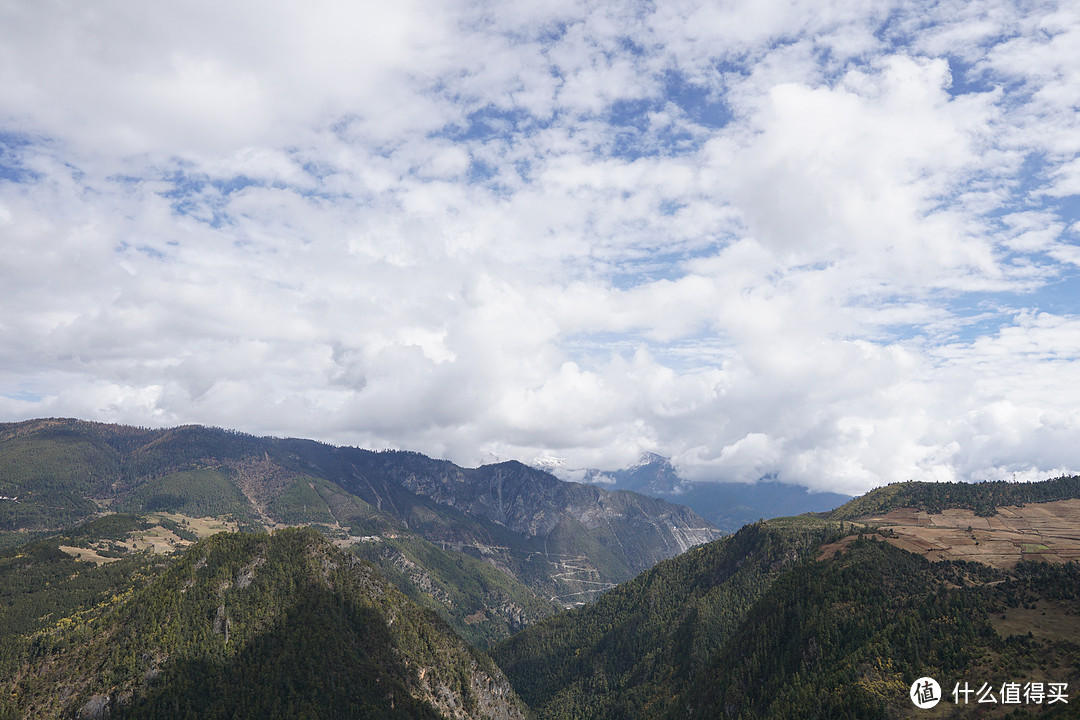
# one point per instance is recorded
(784, 238)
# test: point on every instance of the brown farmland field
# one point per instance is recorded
(1037, 531)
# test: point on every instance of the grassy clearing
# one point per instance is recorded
(86, 555)
(201, 526)
(1047, 620)
(160, 534)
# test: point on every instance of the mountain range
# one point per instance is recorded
(194, 572)
(544, 543)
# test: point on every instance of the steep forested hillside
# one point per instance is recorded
(40, 583)
(255, 626)
(630, 654)
(846, 638)
(757, 626)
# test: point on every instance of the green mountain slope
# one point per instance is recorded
(197, 492)
(564, 540)
(257, 626)
(40, 583)
(847, 637)
(757, 626)
(632, 651)
(53, 472)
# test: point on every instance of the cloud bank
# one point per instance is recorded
(834, 243)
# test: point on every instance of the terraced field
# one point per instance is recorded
(1037, 531)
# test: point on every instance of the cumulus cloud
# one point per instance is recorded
(824, 242)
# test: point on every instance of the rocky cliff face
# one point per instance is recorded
(534, 503)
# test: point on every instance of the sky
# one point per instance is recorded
(834, 243)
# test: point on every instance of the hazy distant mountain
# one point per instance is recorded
(728, 506)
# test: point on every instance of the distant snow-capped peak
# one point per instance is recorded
(648, 458)
(548, 462)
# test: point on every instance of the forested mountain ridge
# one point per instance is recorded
(632, 651)
(982, 498)
(846, 638)
(763, 625)
(255, 626)
(767, 623)
(567, 542)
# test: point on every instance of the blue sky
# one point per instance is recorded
(831, 242)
